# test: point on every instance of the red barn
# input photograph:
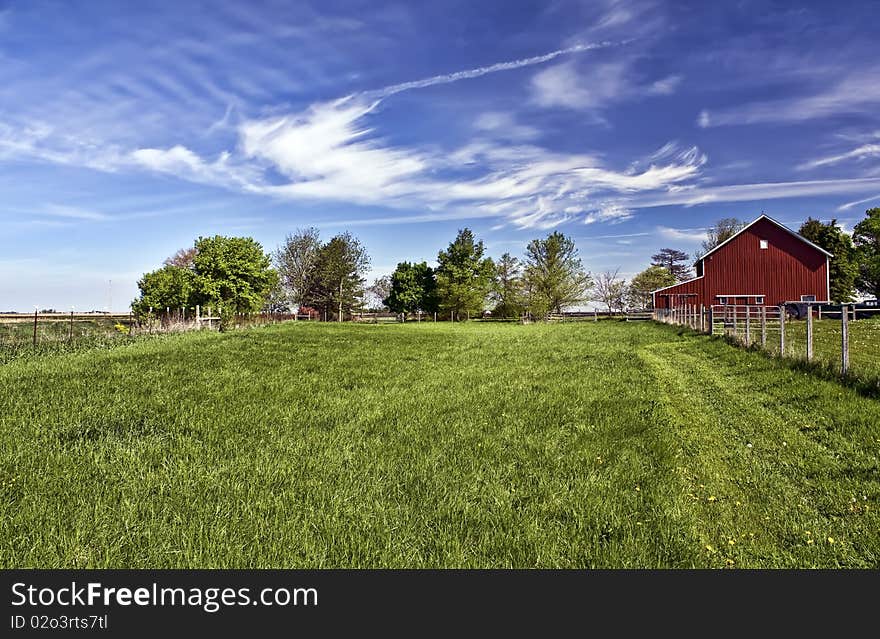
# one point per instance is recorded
(764, 264)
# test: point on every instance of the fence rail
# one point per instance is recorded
(823, 333)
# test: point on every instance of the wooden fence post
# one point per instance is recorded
(198, 316)
(781, 330)
(844, 339)
(763, 327)
(35, 326)
(711, 322)
(735, 334)
(748, 325)
(809, 333)
(70, 330)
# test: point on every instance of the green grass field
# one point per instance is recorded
(434, 445)
(864, 344)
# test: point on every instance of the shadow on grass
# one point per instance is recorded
(866, 386)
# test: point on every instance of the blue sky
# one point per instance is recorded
(129, 129)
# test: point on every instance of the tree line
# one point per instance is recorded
(235, 275)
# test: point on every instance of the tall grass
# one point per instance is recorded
(434, 445)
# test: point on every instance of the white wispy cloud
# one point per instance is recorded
(74, 213)
(862, 152)
(330, 152)
(503, 124)
(665, 86)
(704, 120)
(590, 87)
(564, 85)
(856, 92)
(695, 194)
(849, 205)
(608, 213)
(682, 235)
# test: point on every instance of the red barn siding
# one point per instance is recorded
(786, 270)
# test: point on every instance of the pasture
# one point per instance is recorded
(307, 445)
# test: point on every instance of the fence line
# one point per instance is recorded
(20, 330)
(740, 323)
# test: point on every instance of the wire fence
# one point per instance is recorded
(22, 335)
(843, 338)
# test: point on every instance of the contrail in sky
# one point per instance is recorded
(481, 71)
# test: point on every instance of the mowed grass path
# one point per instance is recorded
(474, 445)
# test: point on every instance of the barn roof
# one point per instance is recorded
(771, 220)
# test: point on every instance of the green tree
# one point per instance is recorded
(413, 288)
(641, 286)
(167, 287)
(338, 284)
(464, 276)
(507, 287)
(718, 233)
(866, 238)
(674, 261)
(233, 274)
(844, 265)
(296, 262)
(554, 276)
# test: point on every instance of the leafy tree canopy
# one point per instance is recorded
(230, 273)
(413, 288)
(233, 273)
(296, 262)
(844, 266)
(554, 276)
(507, 287)
(866, 238)
(337, 284)
(641, 286)
(168, 287)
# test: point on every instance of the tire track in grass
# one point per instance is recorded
(772, 458)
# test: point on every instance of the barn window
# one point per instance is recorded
(759, 299)
(763, 244)
(722, 300)
(808, 298)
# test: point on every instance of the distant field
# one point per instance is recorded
(602, 444)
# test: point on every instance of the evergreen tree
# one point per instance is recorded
(464, 276)
(674, 261)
